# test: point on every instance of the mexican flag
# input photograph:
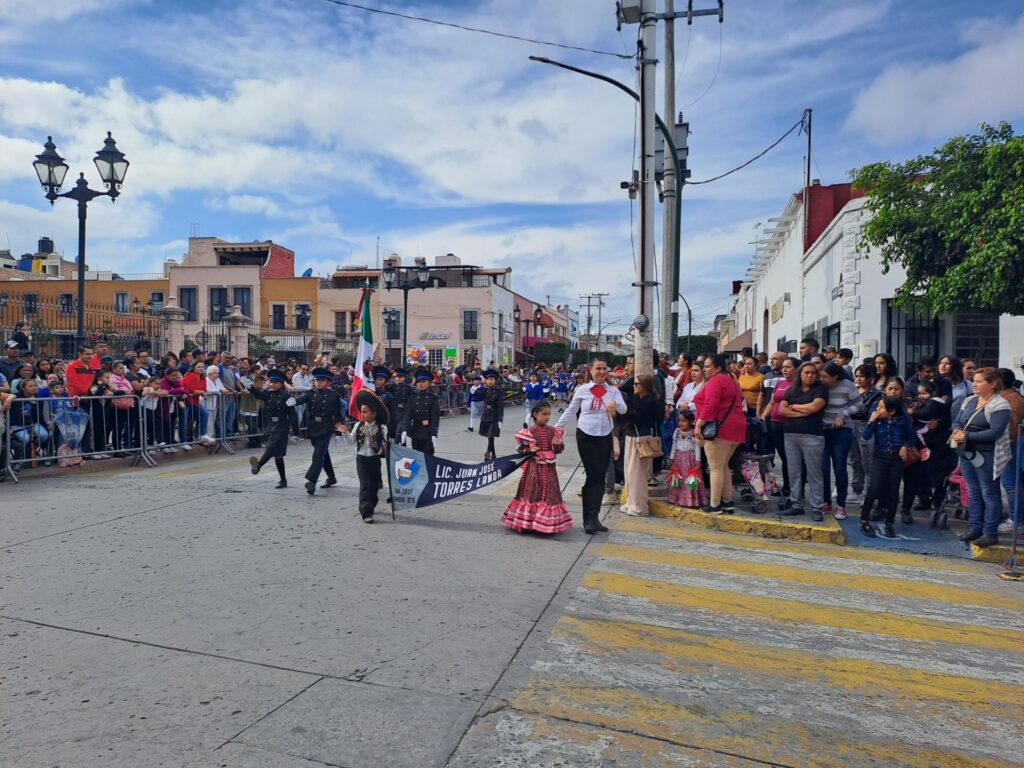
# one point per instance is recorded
(362, 379)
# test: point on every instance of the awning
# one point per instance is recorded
(745, 339)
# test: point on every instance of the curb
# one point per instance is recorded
(827, 532)
(998, 554)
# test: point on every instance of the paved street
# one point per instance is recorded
(190, 615)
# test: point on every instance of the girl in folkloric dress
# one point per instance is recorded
(686, 482)
(537, 505)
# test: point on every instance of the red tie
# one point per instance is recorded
(597, 392)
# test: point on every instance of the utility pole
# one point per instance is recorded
(600, 306)
(666, 328)
(643, 347)
(807, 179)
(590, 340)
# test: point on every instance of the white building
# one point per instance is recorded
(812, 279)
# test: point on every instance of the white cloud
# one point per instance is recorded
(910, 101)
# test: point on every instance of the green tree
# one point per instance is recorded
(954, 220)
(702, 344)
(551, 352)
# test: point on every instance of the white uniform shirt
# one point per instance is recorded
(589, 411)
(302, 382)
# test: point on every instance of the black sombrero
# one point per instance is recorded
(370, 399)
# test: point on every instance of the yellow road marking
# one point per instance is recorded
(691, 653)
(734, 732)
(885, 557)
(881, 585)
(798, 612)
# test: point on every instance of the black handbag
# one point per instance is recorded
(710, 429)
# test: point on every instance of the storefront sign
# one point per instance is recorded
(778, 309)
(435, 336)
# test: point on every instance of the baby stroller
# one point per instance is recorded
(756, 481)
(954, 500)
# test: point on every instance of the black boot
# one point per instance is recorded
(330, 482)
(254, 464)
(589, 523)
(988, 540)
(597, 524)
(310, 487)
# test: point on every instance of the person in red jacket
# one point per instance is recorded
(720, 402)
(196, 415)
(79, 373)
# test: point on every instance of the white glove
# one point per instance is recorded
(433, 440)
(290, 401)
(500, 424)
(405, 438)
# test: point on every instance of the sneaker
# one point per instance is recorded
(711, 509)
(637, 513)
(907, 517)
(889, 532)
(101, 456)
(817, 517)
(728, 507)
(1006, 526)
(161, 445)
(469, 429)
(840, 513)
(186, 447)
(611, 498)
(868, 529)
(855, 498)
(827, 509)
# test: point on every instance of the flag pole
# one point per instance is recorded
(387, 468)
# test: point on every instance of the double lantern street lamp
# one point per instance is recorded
(391, 318)
(538, 316)
(390, 276)
(51, 170)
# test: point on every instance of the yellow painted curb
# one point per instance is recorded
(827, 532)
(998, 554)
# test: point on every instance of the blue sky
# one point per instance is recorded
(324, 128)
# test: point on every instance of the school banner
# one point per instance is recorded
(419, 480)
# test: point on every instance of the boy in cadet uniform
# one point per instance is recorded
(476, 400)
(494, 411)
(324, 408)
(422, 415)
(400, 392)
(277, 411)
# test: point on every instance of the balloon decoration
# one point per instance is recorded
(417, 355)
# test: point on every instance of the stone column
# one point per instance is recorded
(174, 326)
(238, 332)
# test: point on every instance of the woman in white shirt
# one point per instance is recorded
(214, 387)
(685, 401)
(594, 405)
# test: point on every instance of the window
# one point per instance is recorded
(156, 300)
(66, 304)
(303, 313)
(242, 297)
(393, 326)
(120, 303)
(435, 358)
(277, 316)
(341, 323)
(218, 303)
(188, 300)
(470, 325)
(977, 338)
(469, 356)
(31, 303)
(501, 327)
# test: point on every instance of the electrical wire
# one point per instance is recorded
(798, 124)
(464, 28)
(714, 79)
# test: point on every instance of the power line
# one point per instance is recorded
(478, 30)
(714, 79)
(799, 123)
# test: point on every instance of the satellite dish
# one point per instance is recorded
(308, 272)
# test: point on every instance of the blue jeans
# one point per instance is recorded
(985, 507)
(837, 450)
(194, 413)
(22, 436)
(226, 410)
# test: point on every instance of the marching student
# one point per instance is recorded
(534, 395)
(494, 411)
(370, 437)
(476, 401)
(277, 412)
(400, 392)
(324, 410)
(422, 415)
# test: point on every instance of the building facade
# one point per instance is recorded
(810, 277)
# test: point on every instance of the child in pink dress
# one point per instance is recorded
(686, 481)
(537, 505)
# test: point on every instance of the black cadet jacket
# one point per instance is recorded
(422, 415)
(323, 409)
(275, 409)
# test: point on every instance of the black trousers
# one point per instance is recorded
(886, 473)
(370, 483)
(596, 452)
(778, 438)
(423, 444)
(321, 459)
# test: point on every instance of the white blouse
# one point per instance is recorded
(591, 417)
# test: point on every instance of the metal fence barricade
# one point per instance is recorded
(65, 431)
(451, 396)
(240, 417)
(179, 422)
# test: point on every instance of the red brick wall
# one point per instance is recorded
(825, 203)
(280, 263)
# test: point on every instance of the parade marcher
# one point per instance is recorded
(537, 505)
(476, 401)
(422, 415)
(400, 391)
(534, 395)
(371, 439)
(494, 411)
(278, 418)
(324, 410)
(594, 405)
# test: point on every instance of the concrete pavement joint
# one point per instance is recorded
(288, 701)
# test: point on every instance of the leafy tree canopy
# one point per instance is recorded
(551, 352)
(954, 220)
(698, 344)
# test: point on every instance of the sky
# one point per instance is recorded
(324, 128)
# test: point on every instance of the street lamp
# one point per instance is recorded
(302, 312)
(390, 321)
(51, 170)
(391, 275)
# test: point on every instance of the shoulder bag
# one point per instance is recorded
(648, 447)
(710, 429)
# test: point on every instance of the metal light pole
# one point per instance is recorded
(390, 276)
(51, 170)
(390, 320)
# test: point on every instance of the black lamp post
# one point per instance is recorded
(390, 321)
(400, 278)
(51, 170)
(302, 313)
